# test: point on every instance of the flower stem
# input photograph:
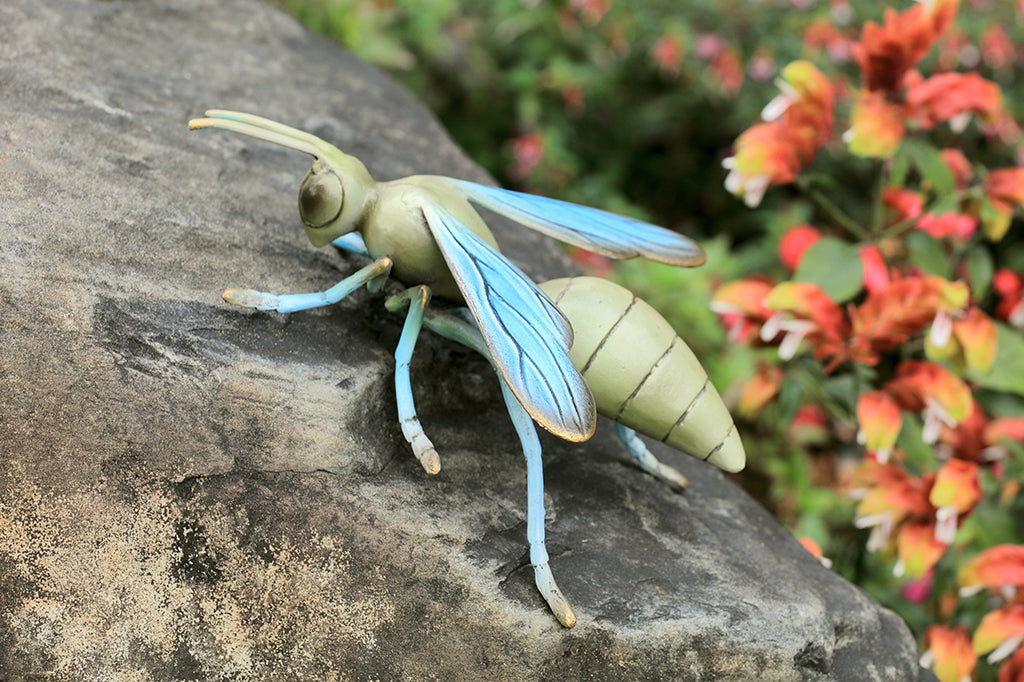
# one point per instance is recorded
(837, 214)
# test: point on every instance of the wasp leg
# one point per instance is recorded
(456, 327)
(535, 509)
(647, 461)
(353, 243)
(418, 298)
(290, 303)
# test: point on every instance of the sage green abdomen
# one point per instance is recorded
(642, 374)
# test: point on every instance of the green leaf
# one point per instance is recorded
(1007, 373)
(980, 270)
(900, 167)
(929, 164)
(833, 265)
(927, 253)
(843, 389)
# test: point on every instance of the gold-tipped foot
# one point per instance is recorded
(250, 298)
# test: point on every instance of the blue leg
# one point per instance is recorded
(535, 510)
(647, 461)
(453, 326)
(418, 298)
(290, 303)
(352, 242)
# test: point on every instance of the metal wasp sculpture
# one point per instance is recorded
(562, 351)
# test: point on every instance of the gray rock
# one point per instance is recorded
(190, 491)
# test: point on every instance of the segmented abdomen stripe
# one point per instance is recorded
(604, 339)
(688, 410)
(650, 372)
(732, 427)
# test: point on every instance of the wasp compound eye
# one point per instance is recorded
(321, 197)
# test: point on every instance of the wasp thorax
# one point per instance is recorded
(321, 196)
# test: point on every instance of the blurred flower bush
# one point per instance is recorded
(867, 286)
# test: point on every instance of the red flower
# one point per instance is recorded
(996, 47)
(948, 225)
(876, 274)
(667, 54)
(958, 165)
(1013, 669)
(904, 202)
(1010, 289)
(527, 152)
(810, 426)
(953, 97)
(795, 242)
(727, 70)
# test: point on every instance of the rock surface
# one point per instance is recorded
(190, 491)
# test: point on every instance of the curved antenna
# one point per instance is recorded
(263, 129)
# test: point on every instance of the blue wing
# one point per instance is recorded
(605, 233)
(527, 336)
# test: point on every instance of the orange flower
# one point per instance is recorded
(804, 310)
(901, 508)
(977, 336)
(880, 422)
(806, 105)
(796, 124)
(931, 389)
(815, 549)
(971, 344)
(885, 53)
(1000, 632)
(742, 307)
(759, 391)
(888, 317)
(999, 569)
(876, 126)
(1004, 188)
(763, 155)
(956, 491)
(1004, 428)
(948, 653)
(917, 549)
